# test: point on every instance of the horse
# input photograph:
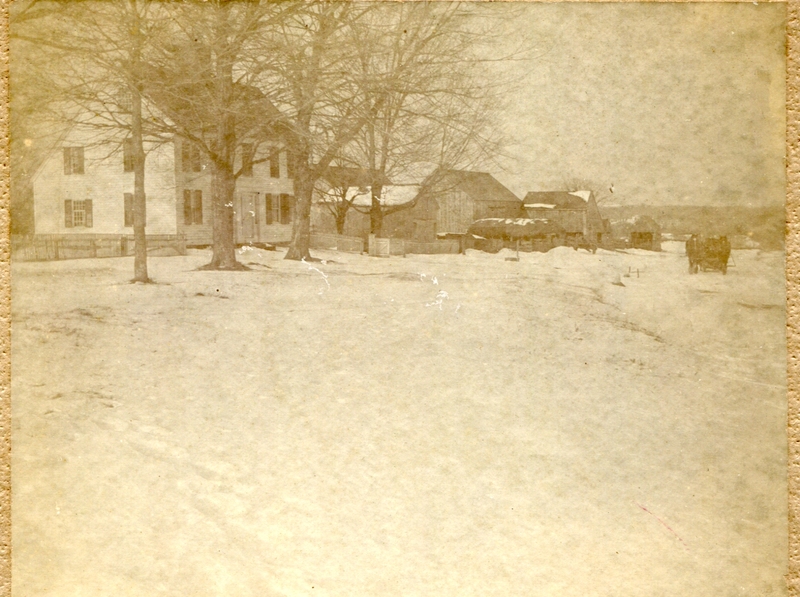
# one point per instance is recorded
(694, 251)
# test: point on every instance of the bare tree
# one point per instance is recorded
(312, 83)
(99, 49)
(202, 81)
(432, 105)
(340, 197)
(30, 132)
(601, 192)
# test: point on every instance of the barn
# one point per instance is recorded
(447, 203)
(463, 196)
(575, 211)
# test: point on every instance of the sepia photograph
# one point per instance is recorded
(351, 298)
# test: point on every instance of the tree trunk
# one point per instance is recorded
(137, 142)
(301, 227)
(341, 216)
(223, 182)
(223, 186)
(376, 211)
(139, 198)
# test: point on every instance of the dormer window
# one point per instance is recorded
(73, 160)
(190, 157)
(125, 100)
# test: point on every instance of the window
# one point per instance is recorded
(127, 155)
(190, 157)
(73, 160)
(248, 152)
(274, 164)
(279, 209)
(78, 213)
(126, 100)
(192, 207)
(128, 210)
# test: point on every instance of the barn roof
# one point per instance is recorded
(557, 199)
(480, 186)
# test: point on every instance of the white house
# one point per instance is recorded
(86, 187)
(263, 200)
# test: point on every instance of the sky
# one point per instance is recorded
(665, 103)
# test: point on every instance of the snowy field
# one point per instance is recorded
(440, 425)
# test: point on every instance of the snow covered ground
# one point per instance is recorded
(438, 425)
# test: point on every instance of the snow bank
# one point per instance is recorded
(439, 424)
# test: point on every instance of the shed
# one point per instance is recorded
(639, 232)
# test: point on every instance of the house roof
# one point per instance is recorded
(558, 199)
(339, 176)
(480, 186)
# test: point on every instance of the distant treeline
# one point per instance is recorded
(764, 225)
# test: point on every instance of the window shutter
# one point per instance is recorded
(68, 213)
(268, 208)
(77, 157)
(67, 164)
(198, 207)
(274, 164)
(185, 158)
(197, 164)
(187, 207)
(290, 163)
(127, 155)
(128, 210)
(87, 205)
(247, 159)
(285, 212)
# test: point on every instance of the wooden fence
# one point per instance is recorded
(383, 247)
(335, 242)
(450, 245)
(53, 247)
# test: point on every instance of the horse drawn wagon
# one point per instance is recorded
(708, 254)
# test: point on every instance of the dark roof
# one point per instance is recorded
(561, 199)
(480, 186)
(339, 176)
